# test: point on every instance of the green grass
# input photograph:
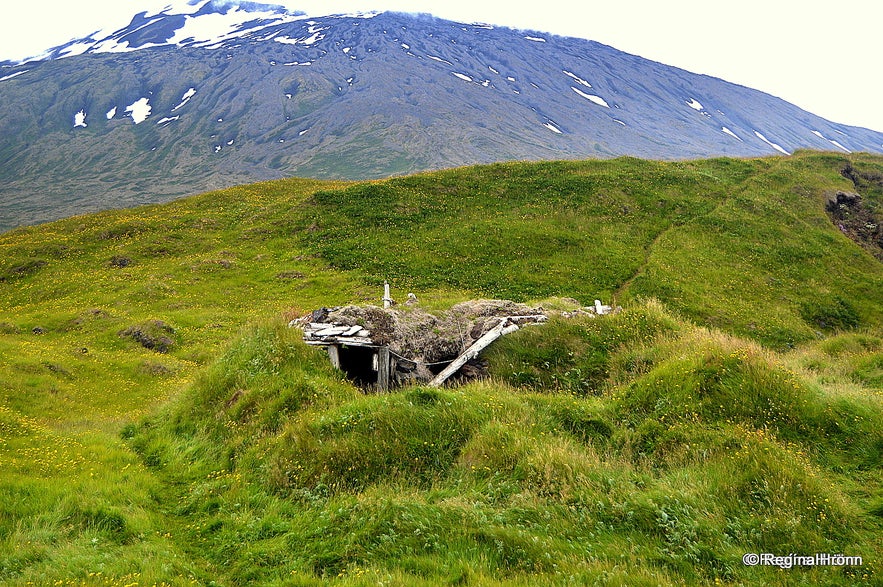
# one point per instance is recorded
(160, 424)
(716, 450)
(742, 245)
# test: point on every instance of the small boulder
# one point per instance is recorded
(152, 334)
(119, 261)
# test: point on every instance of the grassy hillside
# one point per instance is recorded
(159, 424)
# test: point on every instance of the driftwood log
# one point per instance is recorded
(504, 327)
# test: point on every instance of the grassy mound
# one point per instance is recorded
(665, 474)
(576, 355)
(653, 447)
(746, 245)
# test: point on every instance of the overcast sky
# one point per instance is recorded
(822, 56)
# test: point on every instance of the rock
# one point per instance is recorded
(119, 261)
(843, 199)
(153, 334)
(320, 315)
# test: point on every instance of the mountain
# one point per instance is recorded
(213, 94)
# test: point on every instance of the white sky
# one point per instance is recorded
(822, 56)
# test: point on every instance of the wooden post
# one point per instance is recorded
(504, 327)
(334, 355)
(383, 368)
(386, 299)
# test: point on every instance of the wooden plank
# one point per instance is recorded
(332, 331)
(387, 301)
(383, 368)
(504, 327)
(334, 355)
(342, 340)
(354, 341)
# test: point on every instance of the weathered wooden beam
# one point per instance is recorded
(353, 341)
(387, 301)
(383, 369)
(341, 340)
(504, 327)
(334, 355)
(331, 331)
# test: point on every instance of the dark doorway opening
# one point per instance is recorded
(358, 364)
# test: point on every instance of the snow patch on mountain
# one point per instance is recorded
(185, 98)
(832, 141)
(315, 35)
(771, 144)
(180, 8)
(725, 130)
(577, 79)
(140, 110)
(12, 75)
(214, 28)
(114, 46)
(75, 49)
(592, 97)
(111, 113)
(839, 146)
(439, 59)
(695, 104)
(80, 119)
